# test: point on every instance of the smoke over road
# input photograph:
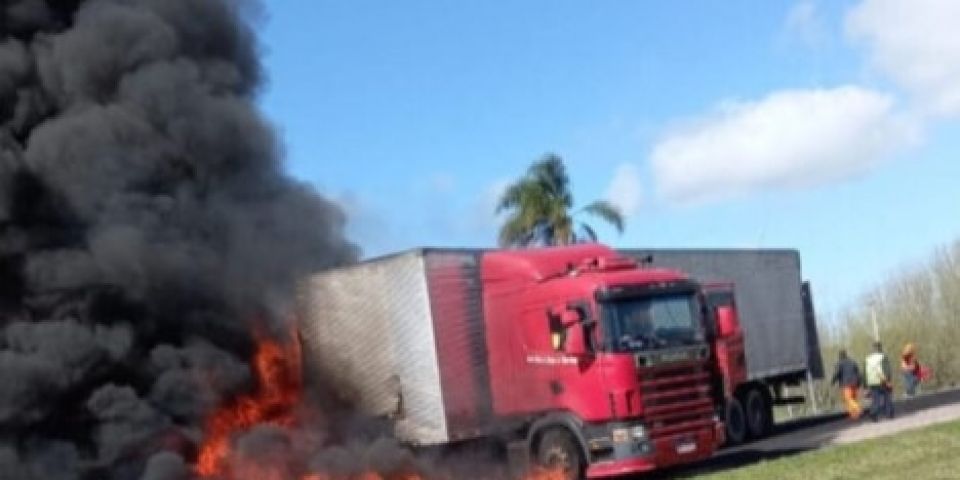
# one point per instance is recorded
(146, 224)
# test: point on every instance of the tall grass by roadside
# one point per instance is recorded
(929, 454)
(919, 304)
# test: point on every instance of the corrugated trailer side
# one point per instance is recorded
(456, 301)
(769, 296)
(402, 336)
(368, 333)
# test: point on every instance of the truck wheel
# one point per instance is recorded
(736, 422)
(557, 449)
(759, 416)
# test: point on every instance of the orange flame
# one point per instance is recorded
(538, 474)
(279, 390)
(278, 393)
(546, 474)
(362, 476)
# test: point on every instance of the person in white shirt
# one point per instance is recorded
(879, 383)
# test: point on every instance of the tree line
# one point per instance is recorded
(921, 305)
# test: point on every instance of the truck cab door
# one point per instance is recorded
(726, 338)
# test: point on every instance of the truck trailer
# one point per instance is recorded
(577, 358)
(775, 310)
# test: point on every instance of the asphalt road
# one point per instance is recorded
(810, 433)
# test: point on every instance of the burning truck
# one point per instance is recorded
(578, 360)
(150, 242)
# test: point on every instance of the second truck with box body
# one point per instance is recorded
(578, 357)
(775, 310)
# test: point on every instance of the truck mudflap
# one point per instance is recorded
(667, 451)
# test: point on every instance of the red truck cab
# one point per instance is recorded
(607, 366)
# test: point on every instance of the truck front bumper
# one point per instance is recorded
(614, 468)
(669, 450)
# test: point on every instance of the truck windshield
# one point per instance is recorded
(649, 323)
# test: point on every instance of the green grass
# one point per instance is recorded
(932, 453)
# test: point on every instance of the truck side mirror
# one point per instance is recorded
(558, 332)
(567, 332)
(576, 344)
(570, 318)
(727, 321)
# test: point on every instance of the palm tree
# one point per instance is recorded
(540, 206)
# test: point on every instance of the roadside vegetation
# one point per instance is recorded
(929, 453)
(921, 304)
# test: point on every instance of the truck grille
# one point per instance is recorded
(676, 398)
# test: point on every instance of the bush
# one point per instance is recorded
(919, 305)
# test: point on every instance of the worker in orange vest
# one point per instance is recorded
(910, 368)
(847, 376)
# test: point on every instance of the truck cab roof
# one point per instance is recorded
(590, 266)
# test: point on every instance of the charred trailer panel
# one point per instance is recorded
(772, 300)
(402, 337)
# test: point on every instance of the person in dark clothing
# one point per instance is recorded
(847, 376)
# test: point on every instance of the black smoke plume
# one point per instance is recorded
(145, 225)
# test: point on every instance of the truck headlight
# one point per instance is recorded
(638, 432)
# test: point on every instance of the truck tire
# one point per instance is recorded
(558, 449)
(758, 414)
(736, 421)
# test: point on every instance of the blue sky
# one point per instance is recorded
(829, 127)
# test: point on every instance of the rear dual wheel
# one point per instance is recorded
(735, 420)
(748, 416)
(759, 414)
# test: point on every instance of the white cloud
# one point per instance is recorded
(625, 189)
(368, 225)
(788, 139)
(916, 43)
(479, 217)
(496, 190)
(805, 24)
(485, 210)
(442, 183)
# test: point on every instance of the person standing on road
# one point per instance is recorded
(878, 381)
(847, 376)
(910, 368)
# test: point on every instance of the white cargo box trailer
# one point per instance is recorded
(401, 336)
